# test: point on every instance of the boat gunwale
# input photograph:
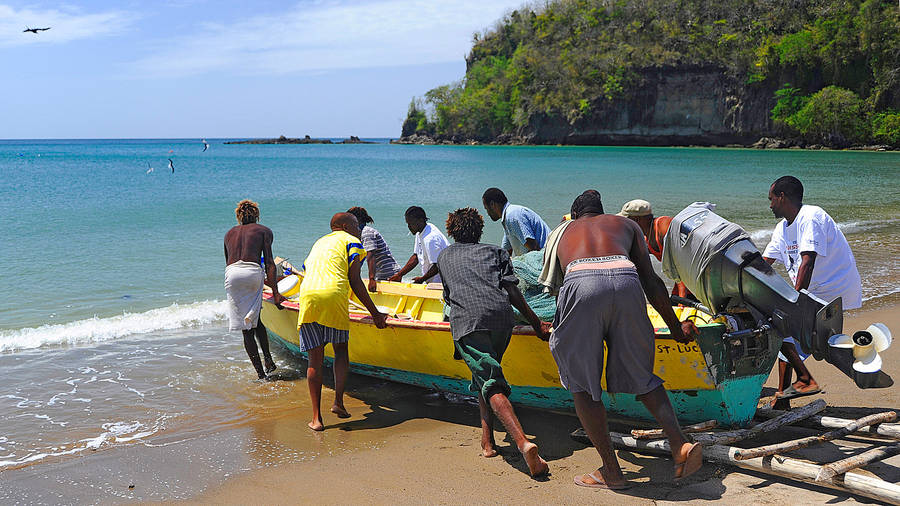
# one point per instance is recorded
(365, 318)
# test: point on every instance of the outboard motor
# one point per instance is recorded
(719, 264)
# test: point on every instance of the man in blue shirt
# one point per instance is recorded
(523, 229)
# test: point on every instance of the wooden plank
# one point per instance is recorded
(853, 482)
(796, 444)
(658, 433)
(891, 430)
(829, 471)
(788, 418)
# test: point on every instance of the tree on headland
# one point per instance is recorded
(566, 61)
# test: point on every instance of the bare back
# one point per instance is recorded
(603, 235)
(248, 243)
(598, 236)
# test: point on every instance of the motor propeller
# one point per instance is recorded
(867, 346)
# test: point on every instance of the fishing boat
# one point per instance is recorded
(416, 348)
(744, 311)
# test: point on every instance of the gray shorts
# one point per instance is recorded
(313, 335)
(597, 306)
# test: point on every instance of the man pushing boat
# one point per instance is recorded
(332, 269)
(601, 301)
(245, 244)
(479, 285)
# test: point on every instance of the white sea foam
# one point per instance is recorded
(114, 432)
(762, 236)
(887, 292)
(96, 329)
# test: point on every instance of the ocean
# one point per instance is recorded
(112, 329)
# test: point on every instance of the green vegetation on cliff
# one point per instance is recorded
(568, 59)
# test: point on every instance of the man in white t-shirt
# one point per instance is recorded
(429, 243)
(818, 258)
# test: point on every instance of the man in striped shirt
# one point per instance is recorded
(380, 262)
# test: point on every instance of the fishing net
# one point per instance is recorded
(528, 268)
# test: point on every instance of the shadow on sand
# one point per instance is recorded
(392, 404)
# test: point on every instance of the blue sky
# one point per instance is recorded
(198, 68)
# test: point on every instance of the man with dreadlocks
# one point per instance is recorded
(245, 244)
(479, 285)
(601, 302)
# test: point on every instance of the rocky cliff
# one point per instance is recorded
(674, 106)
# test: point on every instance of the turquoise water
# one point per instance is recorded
(87, 232)
(112, 326)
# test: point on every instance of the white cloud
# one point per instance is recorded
(65, 24)
(330, 35)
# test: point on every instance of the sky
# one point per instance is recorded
(205, 68)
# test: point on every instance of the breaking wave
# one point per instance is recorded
(95, 329)
(762, 236)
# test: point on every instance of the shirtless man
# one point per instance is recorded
(244, 245)
(601, 300)
(654, 229)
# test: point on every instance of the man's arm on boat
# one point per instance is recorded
(271, 278)
(362, 294)
(655, 288)
(518, 302)
(410, 264)
(432, 272)
(370, 263)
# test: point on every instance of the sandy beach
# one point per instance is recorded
(430, 454)
(408, 445)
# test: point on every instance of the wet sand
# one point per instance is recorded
(404, 445)
(432, 455)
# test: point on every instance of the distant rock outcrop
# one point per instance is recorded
(305, 140)
(355, 140)
(284, 140)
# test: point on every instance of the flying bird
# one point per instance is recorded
(35, 30)
(150, 169)
(205, 145)
(171, 165)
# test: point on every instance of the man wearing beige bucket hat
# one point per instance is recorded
(654, 229)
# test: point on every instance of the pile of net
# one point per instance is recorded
(528, 268)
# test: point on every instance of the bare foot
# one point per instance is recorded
(340, 411)
(781, 404)
(316, 425)
(536, 465)
(488, 451)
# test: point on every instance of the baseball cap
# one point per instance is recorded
(636, 207)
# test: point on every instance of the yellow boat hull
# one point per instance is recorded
(417, 348)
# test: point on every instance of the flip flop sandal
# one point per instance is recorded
(599, 483)
(793, 393)
(691, 464)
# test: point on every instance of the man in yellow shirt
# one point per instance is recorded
(332, 269)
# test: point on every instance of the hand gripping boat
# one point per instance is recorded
(719, 376)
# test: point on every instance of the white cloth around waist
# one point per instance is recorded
(243, 293)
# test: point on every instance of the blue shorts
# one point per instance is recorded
(803, 356)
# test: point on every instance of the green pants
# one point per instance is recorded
(483, 351)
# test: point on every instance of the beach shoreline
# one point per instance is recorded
(433, 460)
